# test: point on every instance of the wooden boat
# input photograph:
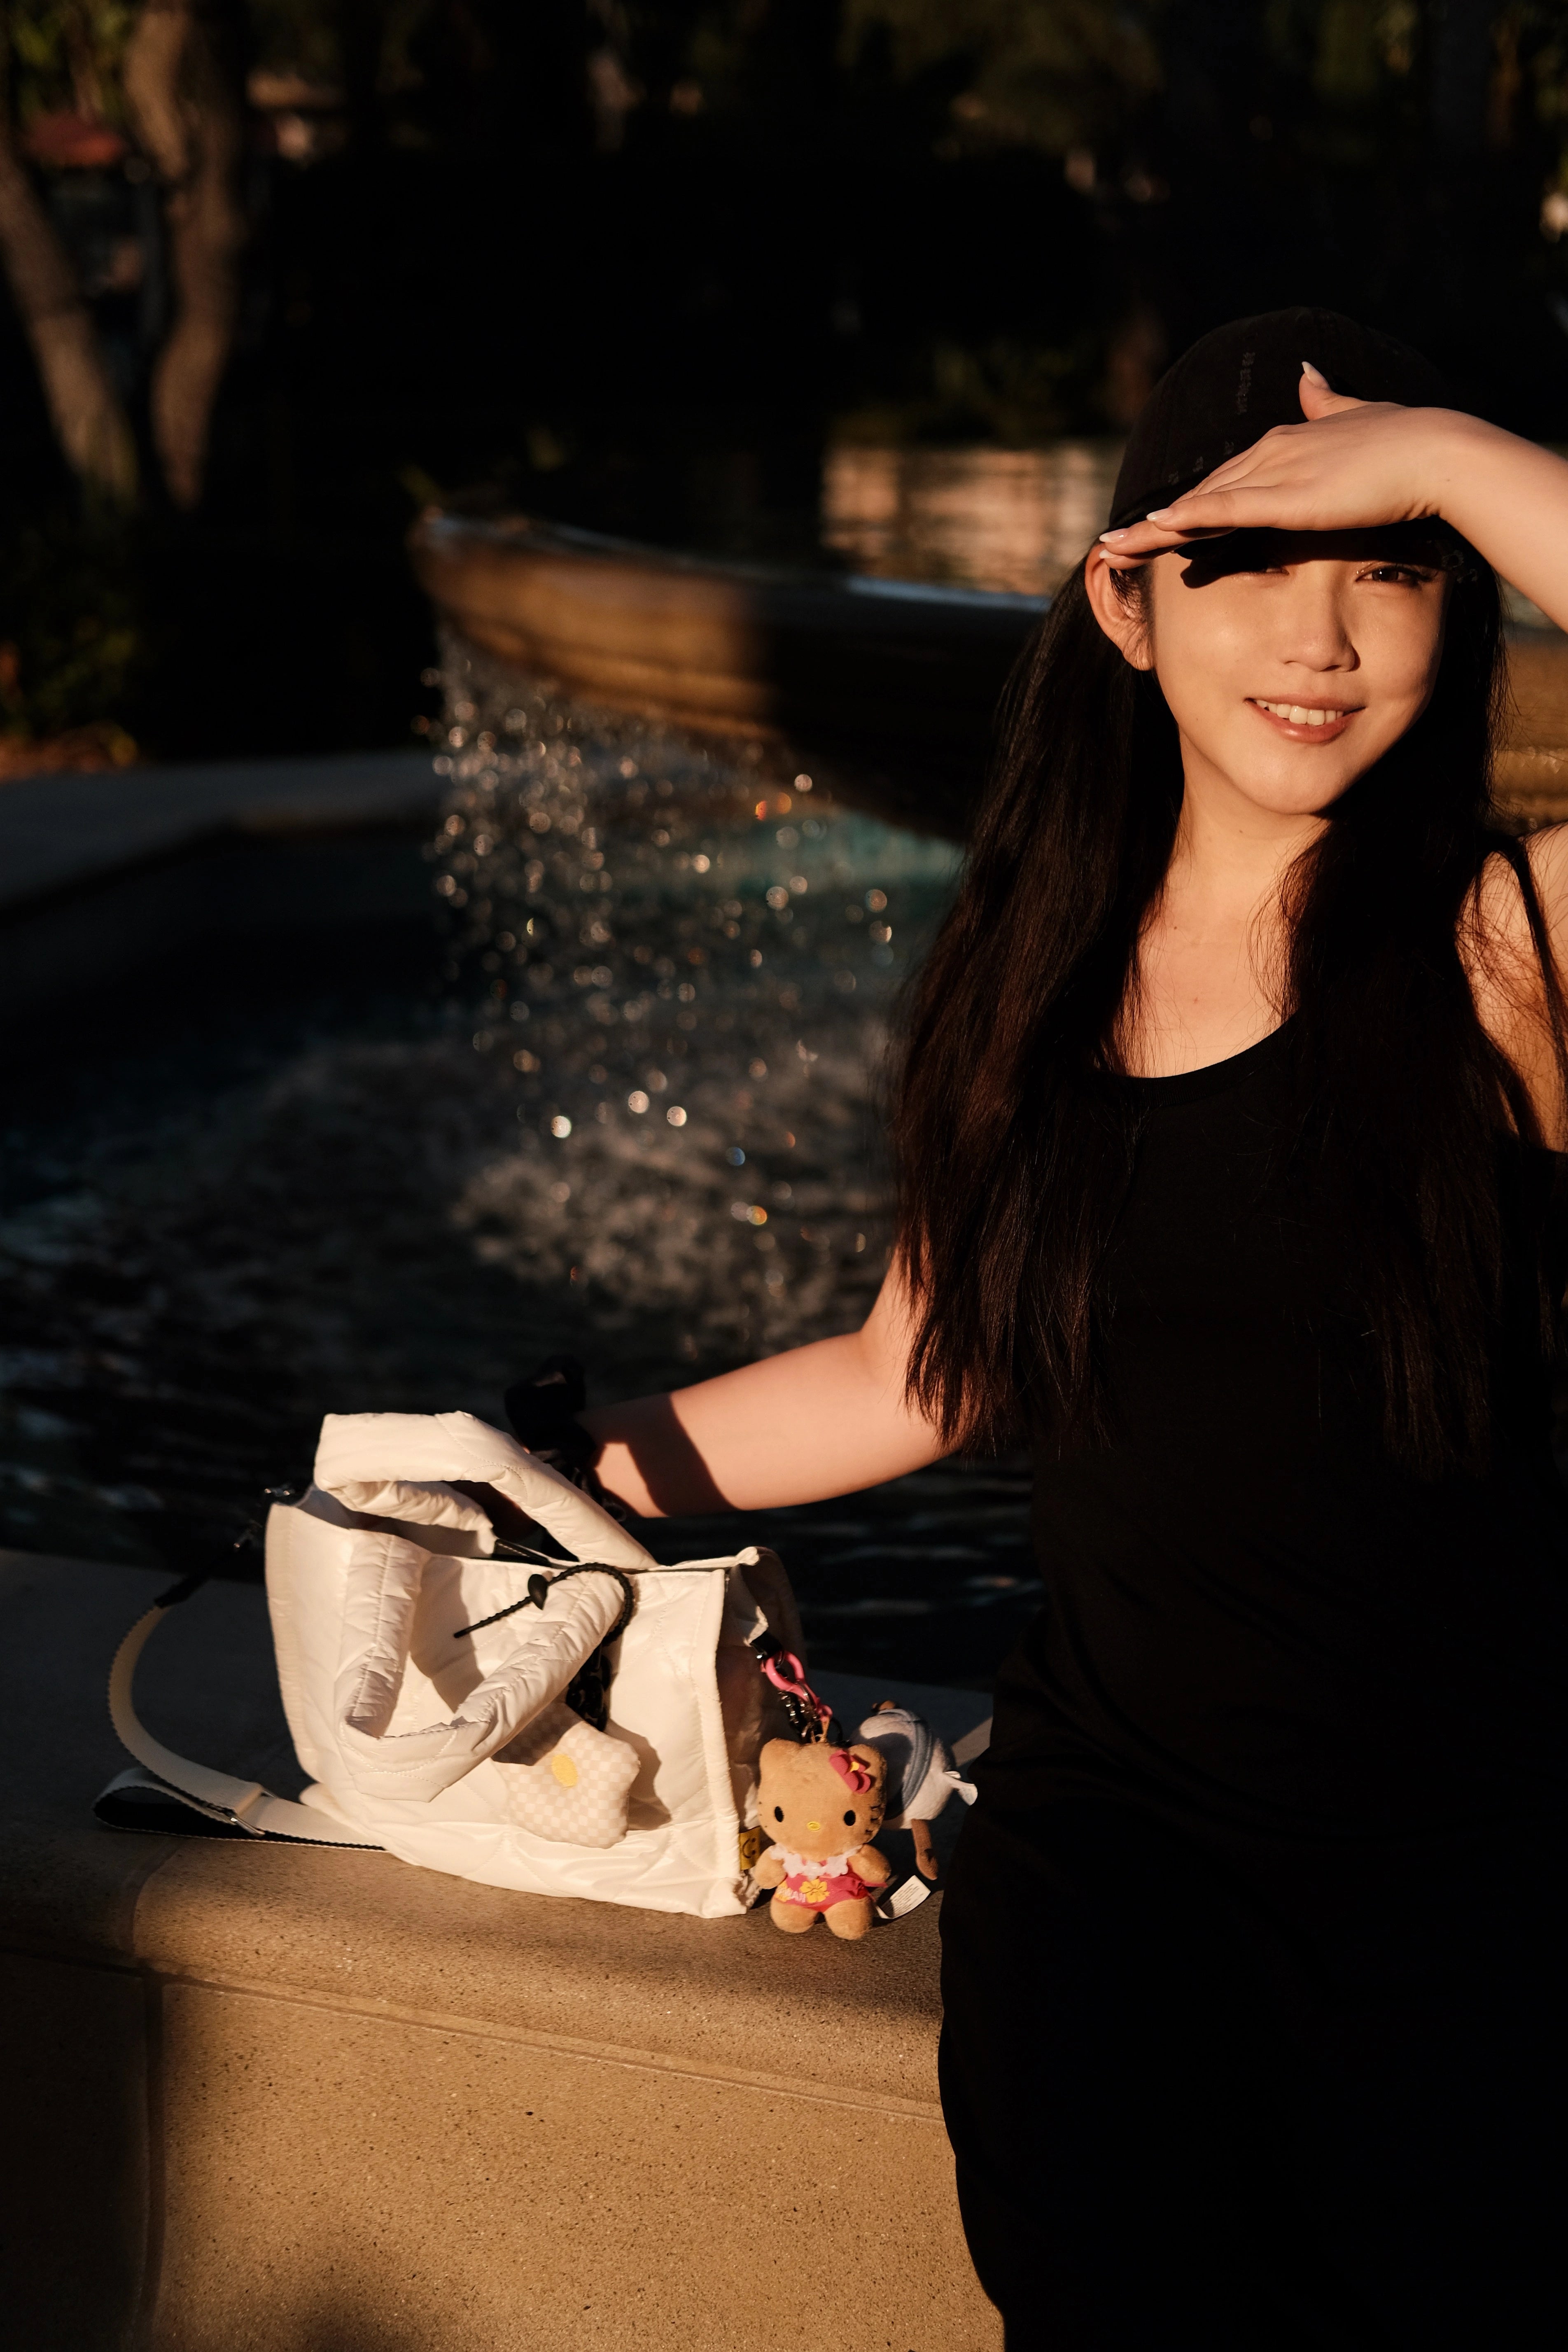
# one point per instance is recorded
(889, 687)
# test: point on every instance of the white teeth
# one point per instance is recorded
(1299, 716)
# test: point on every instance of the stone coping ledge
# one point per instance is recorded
(272, 2098)
(730, 1998)
(62, 832)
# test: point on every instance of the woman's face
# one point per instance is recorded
(1290, 662)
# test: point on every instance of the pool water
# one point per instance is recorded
(623, 1101)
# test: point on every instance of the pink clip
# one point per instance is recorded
(853, 1775)
(798, 1687)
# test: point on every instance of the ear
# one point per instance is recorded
(1122, 621)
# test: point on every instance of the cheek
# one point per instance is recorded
(1203, 683)
(1399, 662)
(1205, 658)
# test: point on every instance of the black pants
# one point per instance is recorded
(1198, 2103)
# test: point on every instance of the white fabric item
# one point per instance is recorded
(565, 1781)
(922, 1772)
(545, 1648)
(394, 1455)
(436, 1747)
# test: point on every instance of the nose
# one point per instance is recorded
(1314, 625)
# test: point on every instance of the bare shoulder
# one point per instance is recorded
(1548, 853)
(1500, 922)
(1503, 965)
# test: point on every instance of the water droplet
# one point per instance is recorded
(561, 1126)
(675, 1116)
(637, 1102)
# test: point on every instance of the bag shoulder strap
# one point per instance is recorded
(139, 1799)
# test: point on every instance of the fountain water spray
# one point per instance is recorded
(687, 955)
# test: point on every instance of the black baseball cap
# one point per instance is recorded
(1231, 387)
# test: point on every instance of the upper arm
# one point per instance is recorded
(1505, 973)
(888, 1333)
(826, 1419)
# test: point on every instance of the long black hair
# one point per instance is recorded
(1013, 1144)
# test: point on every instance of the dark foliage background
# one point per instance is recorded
(633, 264)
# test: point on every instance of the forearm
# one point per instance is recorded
(1510, 499)
(824, 1420)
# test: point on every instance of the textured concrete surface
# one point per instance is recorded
(74, 2185)
(448, 2190)
(275, 2097)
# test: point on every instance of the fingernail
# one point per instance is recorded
(1120, 532)
(1159, 514)
(1314, 375)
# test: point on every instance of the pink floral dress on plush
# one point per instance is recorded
(820, 1885)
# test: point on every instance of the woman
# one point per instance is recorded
(1230, 1142)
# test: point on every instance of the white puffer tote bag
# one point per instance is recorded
(582, 1726)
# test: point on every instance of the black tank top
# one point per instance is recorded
(1253, 1616)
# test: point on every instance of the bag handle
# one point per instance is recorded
(235, 1806)
(368, 1459)
(385, 1574)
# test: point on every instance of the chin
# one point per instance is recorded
(1296, 794)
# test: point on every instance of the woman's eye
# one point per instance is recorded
(778, 1813)
(1402, 575)
(850, 1821)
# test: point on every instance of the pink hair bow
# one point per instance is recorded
(853, 1775)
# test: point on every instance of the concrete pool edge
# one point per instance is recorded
(185, 2013)
(102, 873)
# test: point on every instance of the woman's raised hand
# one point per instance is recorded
(1355, 464)
(1352, 462)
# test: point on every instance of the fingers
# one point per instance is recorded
(1202, 514)
(1306, 477)
(1318, 397)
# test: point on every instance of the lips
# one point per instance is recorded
(1305, 721)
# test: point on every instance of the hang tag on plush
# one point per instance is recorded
(906, 1897)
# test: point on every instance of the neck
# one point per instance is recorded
(1231, 855)
(1209, 960)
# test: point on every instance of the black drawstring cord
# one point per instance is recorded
(538, 1593)
(588, 1692)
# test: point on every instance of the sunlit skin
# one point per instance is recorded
(1330, 630)
(1290, 663)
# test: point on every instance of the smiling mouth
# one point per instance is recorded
(1303, 714)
